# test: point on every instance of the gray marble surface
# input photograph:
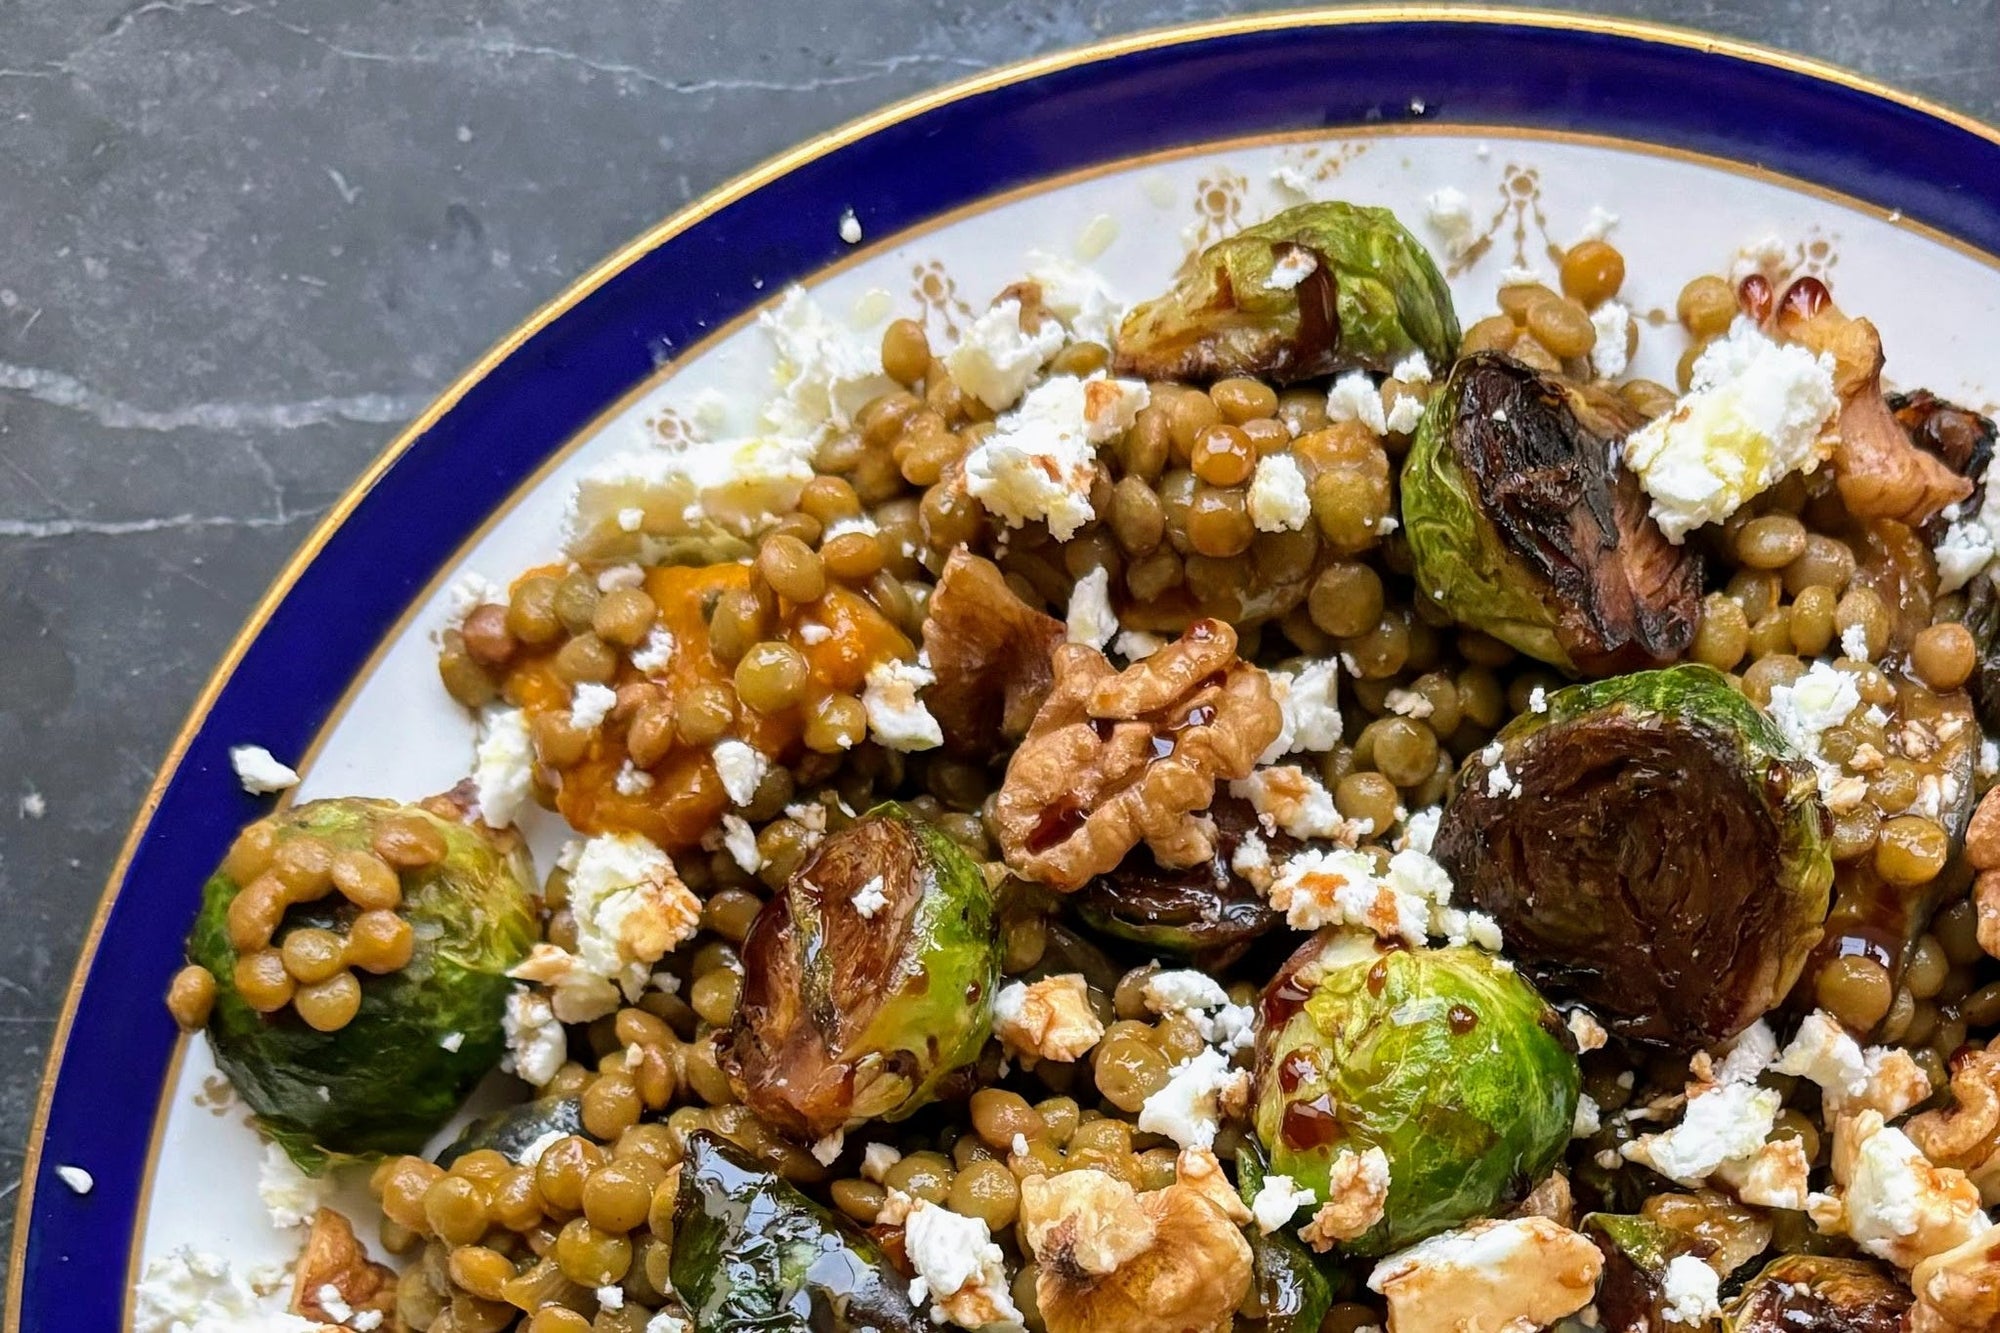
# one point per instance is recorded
(242, 240)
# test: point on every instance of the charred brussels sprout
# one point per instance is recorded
(1809, 1291)
(1368, 297)
(1520, 524)
(751, 1252)
(1651, 845)
(1290, 1290)
(1206, 912)
(1447, 1061)
(846, 1017)
(511, 1130)
(1631, 1295)
(424, 1033)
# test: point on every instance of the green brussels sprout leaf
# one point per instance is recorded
(752, 1253)
(1446, 1060)
(1520, 524)
(1655, 848)
(1808, 1291)
(846, 1017)
(1370, 295)
(390, 1078)
(510, 1130)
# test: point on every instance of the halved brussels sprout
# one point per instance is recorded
(1631, 1295)
(1206, 912)
(424, 1034)
(1444, 1059)
(849, 1016)
(1797, 1292)
(1651, 845)
(1316, 290)
(510, 1130)
(1521, 525)
(751, 1252)
(1291, 1289)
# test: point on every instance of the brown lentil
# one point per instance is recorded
(1592, 272)
(1706, 307)
(190, 997)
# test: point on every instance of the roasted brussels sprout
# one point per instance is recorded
(1809, 1291)
(868, 981)
(751, 1252)
(1651, 845)
(1205, 912)
(510, 1130)
(1444, 1059)
(1521, 525)
(1369, 295)
(1631, 1296)
(424, 1032)
(1291, 1290)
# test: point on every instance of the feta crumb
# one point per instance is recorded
(1412, 369)
(1500, 782)
(1293, 267)
(590, 704)
(503, 773)
(959, 1268)
(1091, 619)
(996, 359)
(1354, 397)
(192, 1291)
(452, 1041)
(897, 718)
(1136, 645)
(652, 656)
(1277, 1201)
(1041, 459)
(1854, 642)
(1690, 1289)
(1589, 1033)
(1823, 1052)
(467, 593)
(870, 899)
(1077, 296)
(1726, 1122)
(1405, 414)
(1317, 888)
(740, 841)
(1597, 224)
(1252, 860)
(876, 1159)
(1821, 699)
(741, 769)
(1182, 989)
(1970, 543)
(826, 1151)
(1019, 1146)
(336, 1306)
(79, 1180)
(1289, 798)
(825, 373)
(850, 228)
(1188, 1109)
(1279, 501)
(632, 780)
(1308, 719)
(1613, 322)
(1588, 1118)
(666, 1321)
(1357, 1194)
(1420, 830)
(620, 576)
(1519, 275)
(1753, 415)
(258, 772)
(1449, 214)
(536, 1044)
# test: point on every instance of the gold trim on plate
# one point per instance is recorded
(749, 182)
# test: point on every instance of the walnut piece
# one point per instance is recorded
(1966, 1135)
(1959, 1291)
(1113, 1261)
(1198, 1169)
(1115, 758)
(1551, 1199)
(1891, 1200)
(1490, 1277)
(990, 653)
(334, 1258)
(1357, 1192)
(1049, 1019)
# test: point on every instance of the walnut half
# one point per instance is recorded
(1115, 758)
(335, 1279)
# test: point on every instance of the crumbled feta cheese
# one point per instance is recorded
(897, 718)
(1091, 619)
(632, 780)
(1287, 797)
(621, 576)
(666, 1321)
(1308, 708)
(1823, 1052)
(590, 704)
(1047, 1019)
(1970, 543)
(958, 1267)
(1749, 1055)
(1279, 501)
(1041, 459)
(1188, 1109)
(1810, 706)
(626, 502)
(1728, 1121)
(1293, 267)
(1519, 275)
(1854, 642)
(1403, 418)
(1316, 888)
(876, 1159)
(1897, 1205)
(1613, 322)
(1182, 989)
(741, 768)
(1420, 830)
(996, 359)
(192, 1291)
(1276, 1202)
(1500, 1276)
(1288, 178)
(826, 1151)
(1689, 1289)
(740, 841)
(651, 657)
(1597, 224)
(1449, 214)
(1252, 860)
(850, 228)
(290, 1196)
(1019, 1147)
(1753, 415)
(870, 899)
(825, 372)
(467, 593)
(1357, 1194)
(1412, 369)
(1077, 296)
(334, 1304)
(1500, 782)
(81, 1181)
(258, 772)
(1588, 1118)
(1538, 700)
(503, 771)
(1589, 1033)
(631, 908)
(1354, 397)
